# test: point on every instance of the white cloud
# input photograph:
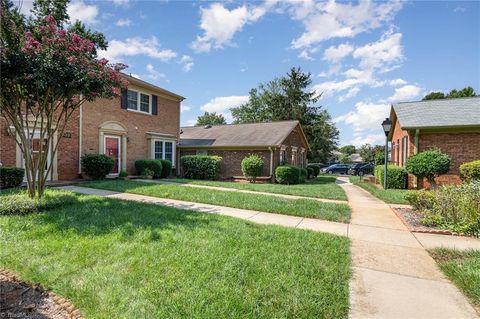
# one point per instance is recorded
(305, 55)
(396, 82)
(154, 74)
(351, 93)
(405, 93)
(123, 3)
(382, 54)
(187, 63)
(459, 9)
(223, 104)
(135, 75)
(372, 139)
(327, 20)
(220, 24)
(79, 10)
(335, 54)
(354, 78)
(137, 46)
(190, 123)
(123, 23)
(24, 6)
(366, 116)
(185, 108)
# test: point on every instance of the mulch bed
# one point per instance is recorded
(19, 299)
(411, 219)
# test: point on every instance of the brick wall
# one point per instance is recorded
(460, 147)
(7, 145)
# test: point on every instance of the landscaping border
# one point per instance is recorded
(62, 303)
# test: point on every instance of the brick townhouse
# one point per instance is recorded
(452, 125)
(143, 123)
(274, 142)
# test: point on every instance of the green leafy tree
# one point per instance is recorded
(372, 154)
(428, 164)
(344, 158)
(288, 98)
(348, 149)
(211, 119)
(48, 71)
(453, 94)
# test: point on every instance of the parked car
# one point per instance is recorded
(361, 169)
(337, 169)
(319, 165)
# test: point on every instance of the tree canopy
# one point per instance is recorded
(453, 94)
(210, 119)
(288, 98)
(347, 149)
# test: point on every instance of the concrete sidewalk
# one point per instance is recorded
(394, 276)
(227, 189)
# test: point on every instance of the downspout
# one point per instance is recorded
(80, 133)
(271, 162)
(415, 151)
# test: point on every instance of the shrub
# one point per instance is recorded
(311, 172)
(252, 167)
(456, 208)
(470, 171)
(123, 174)
(397, 176)
(421, 199)
(20, 203)
(286, 174)
(316, 170)
(155, 166)
(303, 175)
(11, 176)
(97, 166)
(166, 168)
(147, 173)
(201, 166)
(428, 164)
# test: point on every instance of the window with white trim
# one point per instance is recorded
(164, 149)
(138, 101)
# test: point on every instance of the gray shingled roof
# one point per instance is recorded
(238, 135)
(439, 113)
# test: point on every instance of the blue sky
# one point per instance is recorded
(362, 55)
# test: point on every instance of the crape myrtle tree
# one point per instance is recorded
(48, 69)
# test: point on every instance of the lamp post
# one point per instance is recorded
(387, 126)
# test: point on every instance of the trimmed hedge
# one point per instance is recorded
(97, 166)
(311, 172)
(154, 166)
(397, 176)
(252, 167)
(286, 174)
(428, 164)
(316, 170)
(11, 176)
(201, 166)
(166, 168)
(303, 175)
(20, 204)
(470, 171)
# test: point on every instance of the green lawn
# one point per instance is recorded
(120, 259)
(264, 203)
(320, 187)
(391, 196)
(463, 268)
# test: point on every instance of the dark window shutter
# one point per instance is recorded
(123, 99)
(154, 105)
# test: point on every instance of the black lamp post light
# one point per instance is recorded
(387, 126)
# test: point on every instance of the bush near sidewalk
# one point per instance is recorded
(428, 164)
(201, 166)
(252, 167)
(396, 179)
(11, 177)
(470, 171)
(97, 166)
(287, 174)
(154, 166)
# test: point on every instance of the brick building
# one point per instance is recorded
(452, 125)
(143, 123)
(275, 142)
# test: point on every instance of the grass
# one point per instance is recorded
(17, 201)
(120, 259)
(391, 196)
(463, 268)
(264, 203)
(320, 187)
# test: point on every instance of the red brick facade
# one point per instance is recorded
(96, 119)
(460, 145)
(232, 157)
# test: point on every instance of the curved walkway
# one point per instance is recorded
(394, 276)
(228, 189)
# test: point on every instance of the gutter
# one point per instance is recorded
(271, 162)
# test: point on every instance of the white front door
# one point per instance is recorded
(112, 149)
(36, 145)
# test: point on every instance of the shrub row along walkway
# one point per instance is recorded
(394, 276)
(218, 188)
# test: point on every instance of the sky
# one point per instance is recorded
(362, 55)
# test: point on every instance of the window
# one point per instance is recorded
(405, 150)
(283, 156)
(138, 101)
(294, 156)
(158, 152)
(164, 150)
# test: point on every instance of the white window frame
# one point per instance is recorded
(139, 95)
(174, 148)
